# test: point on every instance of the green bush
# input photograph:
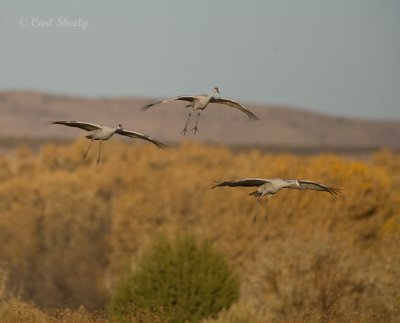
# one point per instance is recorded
(180, 281)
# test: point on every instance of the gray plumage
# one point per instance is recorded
(103, 133)
(272, 186)
(200, 102)
(268, 187)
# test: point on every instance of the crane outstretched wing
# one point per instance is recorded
(310, 185)
(78, 124)
(247, 182)
(134, 134)
(235, 105)
(182, 98)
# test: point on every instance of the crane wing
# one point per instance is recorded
(181, 98)
(310, 185)
(78, 124)
(133, 134)
(247, 182)
(235, 105)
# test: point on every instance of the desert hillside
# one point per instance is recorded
(24, 115)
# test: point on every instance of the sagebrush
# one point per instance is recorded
(185, 280)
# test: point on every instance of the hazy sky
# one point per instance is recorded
(338, 57)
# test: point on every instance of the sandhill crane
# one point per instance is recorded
(269, 187)
(103, 133)
(200, 102)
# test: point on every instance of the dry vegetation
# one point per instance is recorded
(69, 229)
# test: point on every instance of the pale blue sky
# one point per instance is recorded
(337, 57)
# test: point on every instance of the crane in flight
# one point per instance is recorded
(103, 133)
(200, 102)
(269, 187)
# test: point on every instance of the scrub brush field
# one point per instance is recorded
(70, 229)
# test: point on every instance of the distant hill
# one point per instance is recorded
(24, 114)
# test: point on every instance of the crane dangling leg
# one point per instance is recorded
(85, 154)
(195, 127)
(187, 121)
(255, 218)
(257, 207)
(98, 157)
(266, 202)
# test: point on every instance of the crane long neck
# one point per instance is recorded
(211, 94)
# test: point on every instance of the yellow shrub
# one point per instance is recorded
(69, 228)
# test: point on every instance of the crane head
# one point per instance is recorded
(119, 126)
(216, 89)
